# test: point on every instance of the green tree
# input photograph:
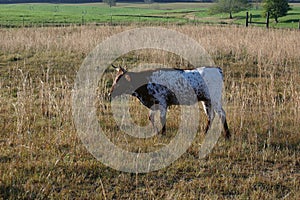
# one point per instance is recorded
(229, 6)
(276, 8)
(110, 2)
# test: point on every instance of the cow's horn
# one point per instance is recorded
(123, 70)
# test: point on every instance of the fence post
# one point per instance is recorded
(250, 18)
(267, 21)
(247, 17)
(299, 24)
(111, 19)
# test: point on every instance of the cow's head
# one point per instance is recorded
(122, 83)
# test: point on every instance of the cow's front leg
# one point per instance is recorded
(152, 120)
(163, 115)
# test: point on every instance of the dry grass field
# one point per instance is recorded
(42, 157)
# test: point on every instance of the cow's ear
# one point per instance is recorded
(127, 77)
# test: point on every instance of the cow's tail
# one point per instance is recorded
(221, 72)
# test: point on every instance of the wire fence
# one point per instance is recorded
(135, 20)
(113, 21)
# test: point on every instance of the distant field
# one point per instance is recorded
(179, 13)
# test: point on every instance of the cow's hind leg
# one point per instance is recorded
(227, 132)
(209, 113)
(222, 114)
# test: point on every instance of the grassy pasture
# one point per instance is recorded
(163, 13)
(97, 13)
(42, 156)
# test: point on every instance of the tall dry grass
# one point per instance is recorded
(42, 157)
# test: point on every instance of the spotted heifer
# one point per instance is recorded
(160, 88)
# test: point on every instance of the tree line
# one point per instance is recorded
(47, 1)
(275, 8)
(133, 1)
